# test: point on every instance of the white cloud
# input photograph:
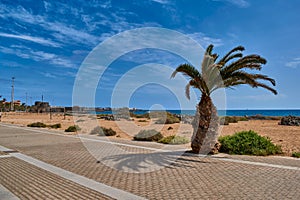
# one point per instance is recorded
(38, 40)
(70, 34)
(161, 1)
(47, 5)
(61, 31)
(38, 56)
(205, 40)
(294, 63)
(153, 56)
(48, 75)
(239, 3)
(116, 22)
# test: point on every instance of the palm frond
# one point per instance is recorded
(187, 91)
(250, 62)
(238, 48)
(264, 77)
(266, 87)
(206, 65)
(209, 49)
(238, 76)
(218, 74)
(187, 70)
(237, 55)
(192, 73)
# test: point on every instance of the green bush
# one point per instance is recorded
(296, 154)
(248, 143)
(170, 119)
(148, 135)
(142, 120)
(231, 119)
(73, 129)
(37, 124)
(55, 126)
(109, 131)
(145, 115)
(174, 139)
(102, 131)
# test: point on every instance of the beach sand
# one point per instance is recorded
(286, 136)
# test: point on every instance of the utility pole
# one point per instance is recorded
(26, 103)
(12, 94)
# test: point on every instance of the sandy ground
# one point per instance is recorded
(286, 136)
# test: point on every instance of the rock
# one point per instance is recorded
(290, 121)
(216, 148)
(186, 119)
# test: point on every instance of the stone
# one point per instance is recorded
(290, 121)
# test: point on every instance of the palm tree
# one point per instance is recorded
(219, 73)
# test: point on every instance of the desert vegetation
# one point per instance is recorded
(102, 131)
(74, 128)
(248, 143)
(148, 135)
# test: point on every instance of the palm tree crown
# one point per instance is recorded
(219, 73)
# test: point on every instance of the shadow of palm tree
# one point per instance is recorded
(147, 162)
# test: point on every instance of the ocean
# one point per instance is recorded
(228, 112)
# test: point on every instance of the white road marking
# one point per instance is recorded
(6, 194)
(5, 156)
(259, 163)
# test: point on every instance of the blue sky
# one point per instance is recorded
(43, 43)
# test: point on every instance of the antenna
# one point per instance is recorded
(12, 94)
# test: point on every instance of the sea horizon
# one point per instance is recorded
(228, 112)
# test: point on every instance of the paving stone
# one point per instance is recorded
(29, 182)
(189, 177)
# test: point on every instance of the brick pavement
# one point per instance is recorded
(190, 177)
(29, 182)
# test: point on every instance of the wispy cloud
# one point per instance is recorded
(153, 56)
(161, 1)
(205, 40)
(294, 63)
(38, 40)
(38, 56)
(239, 3)
(63, 32)
(48, 75)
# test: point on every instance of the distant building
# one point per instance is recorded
(40, 107)
(16, 103)
(57, 109)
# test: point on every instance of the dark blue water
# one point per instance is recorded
(229, 112)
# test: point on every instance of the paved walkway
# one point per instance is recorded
(46, 163)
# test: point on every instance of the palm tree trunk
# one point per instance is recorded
(206, 126)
